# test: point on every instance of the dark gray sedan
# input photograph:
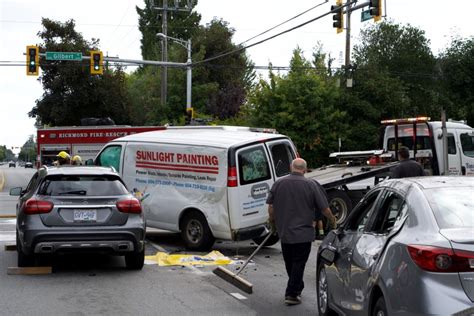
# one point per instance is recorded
(78, 209)
(406, 249)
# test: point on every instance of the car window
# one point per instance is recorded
(110, 157)
(73, 185)
(452, 207)
(363, 212)
(467, 144)
(32, 182)
(422, 142)
(282, 156)
(253, 165)
(388, 212)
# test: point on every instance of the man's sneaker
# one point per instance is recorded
(320, 237)
(291, 300)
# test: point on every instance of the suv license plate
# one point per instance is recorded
(85, 215)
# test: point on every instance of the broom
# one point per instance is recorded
(233, 278)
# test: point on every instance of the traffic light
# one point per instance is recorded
(376, 9)
(338, 16)
(32, 60)
(96, 60)
(189, 116)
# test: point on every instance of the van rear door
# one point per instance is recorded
(247, 198)
(257, 168)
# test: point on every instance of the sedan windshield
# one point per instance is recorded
(452, 207)
(69, 185)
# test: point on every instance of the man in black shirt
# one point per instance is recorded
(407, 167)
(293, 203)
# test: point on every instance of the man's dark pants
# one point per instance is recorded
(295, 256)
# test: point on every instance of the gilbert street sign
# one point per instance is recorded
(63, 56)
(365, 15)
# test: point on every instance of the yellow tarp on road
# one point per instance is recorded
(212, 258)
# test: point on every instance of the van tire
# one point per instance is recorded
(340, 205)
(270, 242)
(196, 232)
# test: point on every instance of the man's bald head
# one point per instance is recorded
(298, 165)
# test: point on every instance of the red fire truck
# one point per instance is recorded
(85, 141)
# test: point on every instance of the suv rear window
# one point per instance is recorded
(70, 185)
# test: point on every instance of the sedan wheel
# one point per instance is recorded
(322, 291)
(380, 308)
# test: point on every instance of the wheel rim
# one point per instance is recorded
(194, 231)
(322, 291)
(339, 209)
(380, 313)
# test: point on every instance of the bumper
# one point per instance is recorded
(249, 232)
(37, 238)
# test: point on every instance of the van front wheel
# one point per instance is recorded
(196, 232)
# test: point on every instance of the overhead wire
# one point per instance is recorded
(271, 37)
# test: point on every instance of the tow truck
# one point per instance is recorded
(443, 148)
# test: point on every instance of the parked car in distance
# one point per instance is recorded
(78, 209)
(12, 164)
(406, 249)
(29, 165)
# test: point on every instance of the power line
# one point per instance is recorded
(284, 22)
(271, 37)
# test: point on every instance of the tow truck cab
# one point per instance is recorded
(425, 142)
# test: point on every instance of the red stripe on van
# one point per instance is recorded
(157, 164)
(178, 169)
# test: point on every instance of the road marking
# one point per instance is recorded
(2, 180)
(7, 216)
(29, 270)
(238, 296)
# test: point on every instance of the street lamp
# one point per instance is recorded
(187, 45)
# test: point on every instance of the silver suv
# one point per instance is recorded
(78, 209)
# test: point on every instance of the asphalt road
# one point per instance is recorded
(93, 285)
(10, 178)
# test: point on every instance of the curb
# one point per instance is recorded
(2, 180)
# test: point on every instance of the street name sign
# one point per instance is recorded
(365, 16)
(63, 56)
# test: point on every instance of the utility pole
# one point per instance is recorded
(164, 54)
(348, 36)
(164, 48)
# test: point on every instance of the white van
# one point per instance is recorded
(206, 182)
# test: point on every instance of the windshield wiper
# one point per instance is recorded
(78, 192)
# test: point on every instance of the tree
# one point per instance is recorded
(402, 53)
(219, 88)
(28, 151)
(70, 92)
(301, 104)
(457, 76)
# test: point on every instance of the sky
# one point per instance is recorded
(115, 23)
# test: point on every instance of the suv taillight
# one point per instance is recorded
(437, 259)
(232, 177)
(129, 206)
(34, 206)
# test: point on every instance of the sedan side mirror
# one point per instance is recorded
(328, 254)
(89, 162)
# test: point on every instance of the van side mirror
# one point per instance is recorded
(89, 162)
(16, 191)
